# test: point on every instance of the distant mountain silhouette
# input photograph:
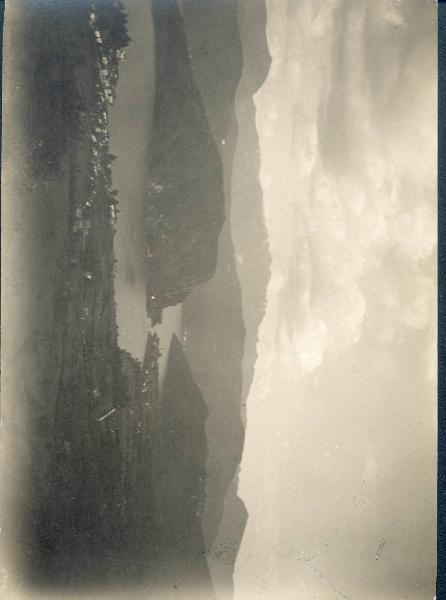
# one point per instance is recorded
(230, 60)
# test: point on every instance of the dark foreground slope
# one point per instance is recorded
(111, 497)
(90, 410)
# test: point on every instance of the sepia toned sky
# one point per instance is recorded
(338, 473)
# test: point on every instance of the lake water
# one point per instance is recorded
(130, 121)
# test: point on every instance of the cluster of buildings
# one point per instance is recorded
(107, 60)
(99, 137)
(100, 183)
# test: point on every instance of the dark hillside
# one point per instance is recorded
(181, 477)
(185, 210)
(90, 500)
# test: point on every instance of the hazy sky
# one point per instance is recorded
(338, 473)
